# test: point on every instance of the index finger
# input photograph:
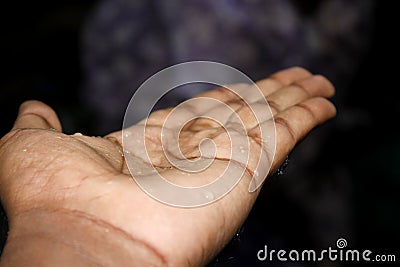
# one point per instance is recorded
(267, 86)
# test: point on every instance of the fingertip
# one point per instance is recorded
(322, 108)
(328, 85)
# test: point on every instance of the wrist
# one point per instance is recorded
(71, 238)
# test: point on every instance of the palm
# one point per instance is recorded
(78, 174)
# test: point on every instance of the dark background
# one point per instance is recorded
(40, 55)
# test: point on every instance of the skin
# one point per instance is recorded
(71, 201)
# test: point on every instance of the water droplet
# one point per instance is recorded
(24, 150)
(256, 174)
(209, 195)
(127, 134)
(78, 134)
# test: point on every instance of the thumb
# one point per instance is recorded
(36, 114)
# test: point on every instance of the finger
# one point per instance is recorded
(282, 78)
(296, 122)
(267, 86)
(222, 94)
(35, 114)
(283, 98)
(233, 96)
(299, 91)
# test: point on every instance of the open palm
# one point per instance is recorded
(71, 199)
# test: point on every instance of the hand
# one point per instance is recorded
(70, 199)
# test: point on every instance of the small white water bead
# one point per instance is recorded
(240, 147)
(209, 195)
(77, 134)
(185, 173)
(133, 142)
(140, 168)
